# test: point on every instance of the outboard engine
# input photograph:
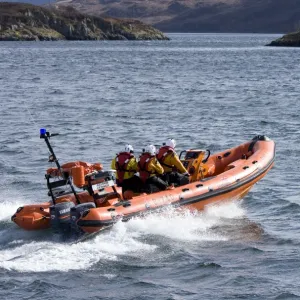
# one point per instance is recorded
(76, 212)
(60, 216)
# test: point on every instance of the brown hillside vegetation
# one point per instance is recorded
(150, 11)
(201, 15)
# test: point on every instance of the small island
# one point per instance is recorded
(288, 40)
(27, 22)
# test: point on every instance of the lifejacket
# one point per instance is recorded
(122, 160)
(162, 154)
(143, 164)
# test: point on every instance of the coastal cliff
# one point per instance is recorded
(26, 22)
(288, 40)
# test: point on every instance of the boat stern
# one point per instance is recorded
(32, 217)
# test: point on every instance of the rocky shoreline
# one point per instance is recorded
(26, 22)
(288, 40)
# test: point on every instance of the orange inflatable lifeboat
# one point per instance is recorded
(86, 203)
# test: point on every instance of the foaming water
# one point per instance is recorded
(228, 210)
(130, 238)
(186, 225)
(51, 256)
(9, 207)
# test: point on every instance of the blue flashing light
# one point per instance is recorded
(43, 131)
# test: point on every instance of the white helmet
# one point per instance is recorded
(128, 148)
(170, 143)
(151, 149)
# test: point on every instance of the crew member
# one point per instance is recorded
(150, 169)
(126, 166)
(174, 171)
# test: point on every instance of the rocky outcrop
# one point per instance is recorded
(288, 40)
(26, 22)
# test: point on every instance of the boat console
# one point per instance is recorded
(194, 160)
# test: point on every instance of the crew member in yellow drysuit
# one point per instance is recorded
(126, 166)
(150, 170)
(174, 170)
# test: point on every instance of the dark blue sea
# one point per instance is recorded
(210, 91)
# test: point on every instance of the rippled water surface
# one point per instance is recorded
(206, 91)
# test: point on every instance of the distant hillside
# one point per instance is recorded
(149, 11)
(201, 15)
(268, 16)
(35, 2)
(22, 21)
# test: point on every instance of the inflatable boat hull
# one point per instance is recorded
(225, 176)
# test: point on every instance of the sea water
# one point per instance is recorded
(208, 91)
